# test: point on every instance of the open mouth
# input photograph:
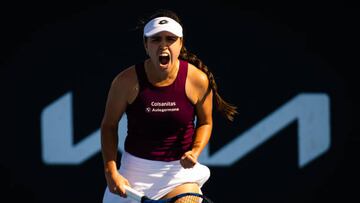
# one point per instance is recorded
(164, 59)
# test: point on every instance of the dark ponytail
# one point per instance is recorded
(224, 107)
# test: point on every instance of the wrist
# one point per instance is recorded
(110, 167)
(196, 152)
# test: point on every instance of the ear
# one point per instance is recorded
(145, 46)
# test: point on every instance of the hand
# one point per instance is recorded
(116, 183)
(189, 159)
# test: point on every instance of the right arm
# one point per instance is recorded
(117, 100)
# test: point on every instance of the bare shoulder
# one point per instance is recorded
(126, 77)
(125, 85)
(197, 77)
(197, 84)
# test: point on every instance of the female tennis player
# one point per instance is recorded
(161, 97)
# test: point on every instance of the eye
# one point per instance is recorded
(155, 39)
(171, 39)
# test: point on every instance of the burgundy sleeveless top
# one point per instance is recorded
(161, 119)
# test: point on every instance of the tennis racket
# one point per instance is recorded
(181, 198)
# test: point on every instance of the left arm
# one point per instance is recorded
(203, 106)
(204, 125)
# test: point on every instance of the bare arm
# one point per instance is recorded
(116, 104)
(204, 124)
(203, 100)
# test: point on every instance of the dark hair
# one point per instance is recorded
(224, 107)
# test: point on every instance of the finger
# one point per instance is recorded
(186, 163)
(191, 158)
(183, 163)
(117, 190)
(184, 156)
(123, 190)
(114, 190)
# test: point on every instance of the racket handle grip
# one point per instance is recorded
(133, 194)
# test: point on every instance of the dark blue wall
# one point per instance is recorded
(264, 57)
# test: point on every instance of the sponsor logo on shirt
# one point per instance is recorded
(162, 107)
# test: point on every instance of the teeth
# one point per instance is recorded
(164, 54)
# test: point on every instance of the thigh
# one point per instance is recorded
(186, 187)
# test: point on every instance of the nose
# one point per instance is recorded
(163, 43)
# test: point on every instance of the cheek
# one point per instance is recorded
(175, 49)
(151, 50)
(150, 46)
(176, 52)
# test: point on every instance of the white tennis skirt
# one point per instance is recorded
(155, 178)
